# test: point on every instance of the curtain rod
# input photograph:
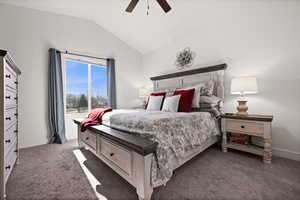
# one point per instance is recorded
(77, 54)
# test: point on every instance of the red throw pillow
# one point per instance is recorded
(156, 94)
(186, 99)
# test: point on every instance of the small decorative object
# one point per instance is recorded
(242, 86)
(185, 58)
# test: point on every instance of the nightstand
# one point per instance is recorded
(251, 125)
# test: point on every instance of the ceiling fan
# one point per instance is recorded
(163, 4)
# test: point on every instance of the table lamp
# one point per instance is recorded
(143, 94)
(243, 86)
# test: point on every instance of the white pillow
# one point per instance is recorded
(171, 103)
(155, 102)
(196, 98)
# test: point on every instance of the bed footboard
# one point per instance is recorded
(128, 155)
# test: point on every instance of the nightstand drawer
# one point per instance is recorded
(242, 126)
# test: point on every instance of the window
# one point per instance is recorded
(85, 86)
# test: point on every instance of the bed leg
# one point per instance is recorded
(142, 171)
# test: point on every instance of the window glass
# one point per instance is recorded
(85, 90)
(77, 87)
(99, 87)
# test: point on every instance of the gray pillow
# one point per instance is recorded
(210, 99)
(208, 105)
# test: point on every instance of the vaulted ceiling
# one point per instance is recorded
(148, 33)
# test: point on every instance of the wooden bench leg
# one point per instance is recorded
(142, 174)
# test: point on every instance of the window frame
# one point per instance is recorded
(85, 60)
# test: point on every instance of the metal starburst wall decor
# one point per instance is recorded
(185, 58)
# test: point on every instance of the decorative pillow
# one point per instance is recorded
(171, 103)
(155, 102)
(196, 98)
(170, 91)
(158, 94)
(155, 94)
(207, 89)
(210, 99)
(186, 99)
(208, 105)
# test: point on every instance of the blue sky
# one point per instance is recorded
(77, 79)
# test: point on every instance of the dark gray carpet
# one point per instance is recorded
(53, 172)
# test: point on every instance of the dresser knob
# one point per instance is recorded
(112, 154)
(16, 82)
(7, 76)
(7, 167)
(242, 126)
(15, 131)
(16, 98)
(7, 97)
(16, 114)
(7, 141)
(7, 118)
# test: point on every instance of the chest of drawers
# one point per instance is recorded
(9, 143)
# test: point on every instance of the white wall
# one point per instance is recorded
(253, 39)
(28, 34)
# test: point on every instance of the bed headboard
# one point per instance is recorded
(182, 79)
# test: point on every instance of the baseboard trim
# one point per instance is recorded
(286, 154)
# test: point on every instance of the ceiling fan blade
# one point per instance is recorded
(131, 5)
(164, 5)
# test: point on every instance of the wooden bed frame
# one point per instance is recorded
(131, 156)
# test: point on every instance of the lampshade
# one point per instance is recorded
(144, 92)
(244, 85)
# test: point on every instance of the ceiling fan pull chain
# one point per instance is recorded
(148, 7)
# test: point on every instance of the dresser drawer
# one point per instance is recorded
(242, 126)
(10, 117)
(117, 154)
(10, 98)
(10, 77)
(9, 162)
(10, 137)
(89, 138)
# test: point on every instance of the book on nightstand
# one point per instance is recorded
(239, 138)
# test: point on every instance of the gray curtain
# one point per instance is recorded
(56, 99)
(111, 77)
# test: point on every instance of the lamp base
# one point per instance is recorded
(242, 108)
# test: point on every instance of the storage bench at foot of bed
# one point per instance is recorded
(128, 155)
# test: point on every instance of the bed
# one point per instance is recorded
(145, 147)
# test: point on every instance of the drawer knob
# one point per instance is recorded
(16, 114)
(7, 167)
(15, 131)
(112, 154)
(7, 97)
(16, 98)
(87, 138)
(7, 118)
(242, 126)
(7, 75)
(7, 141)
(16, 82)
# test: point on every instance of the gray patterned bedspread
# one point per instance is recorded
(176, 133)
